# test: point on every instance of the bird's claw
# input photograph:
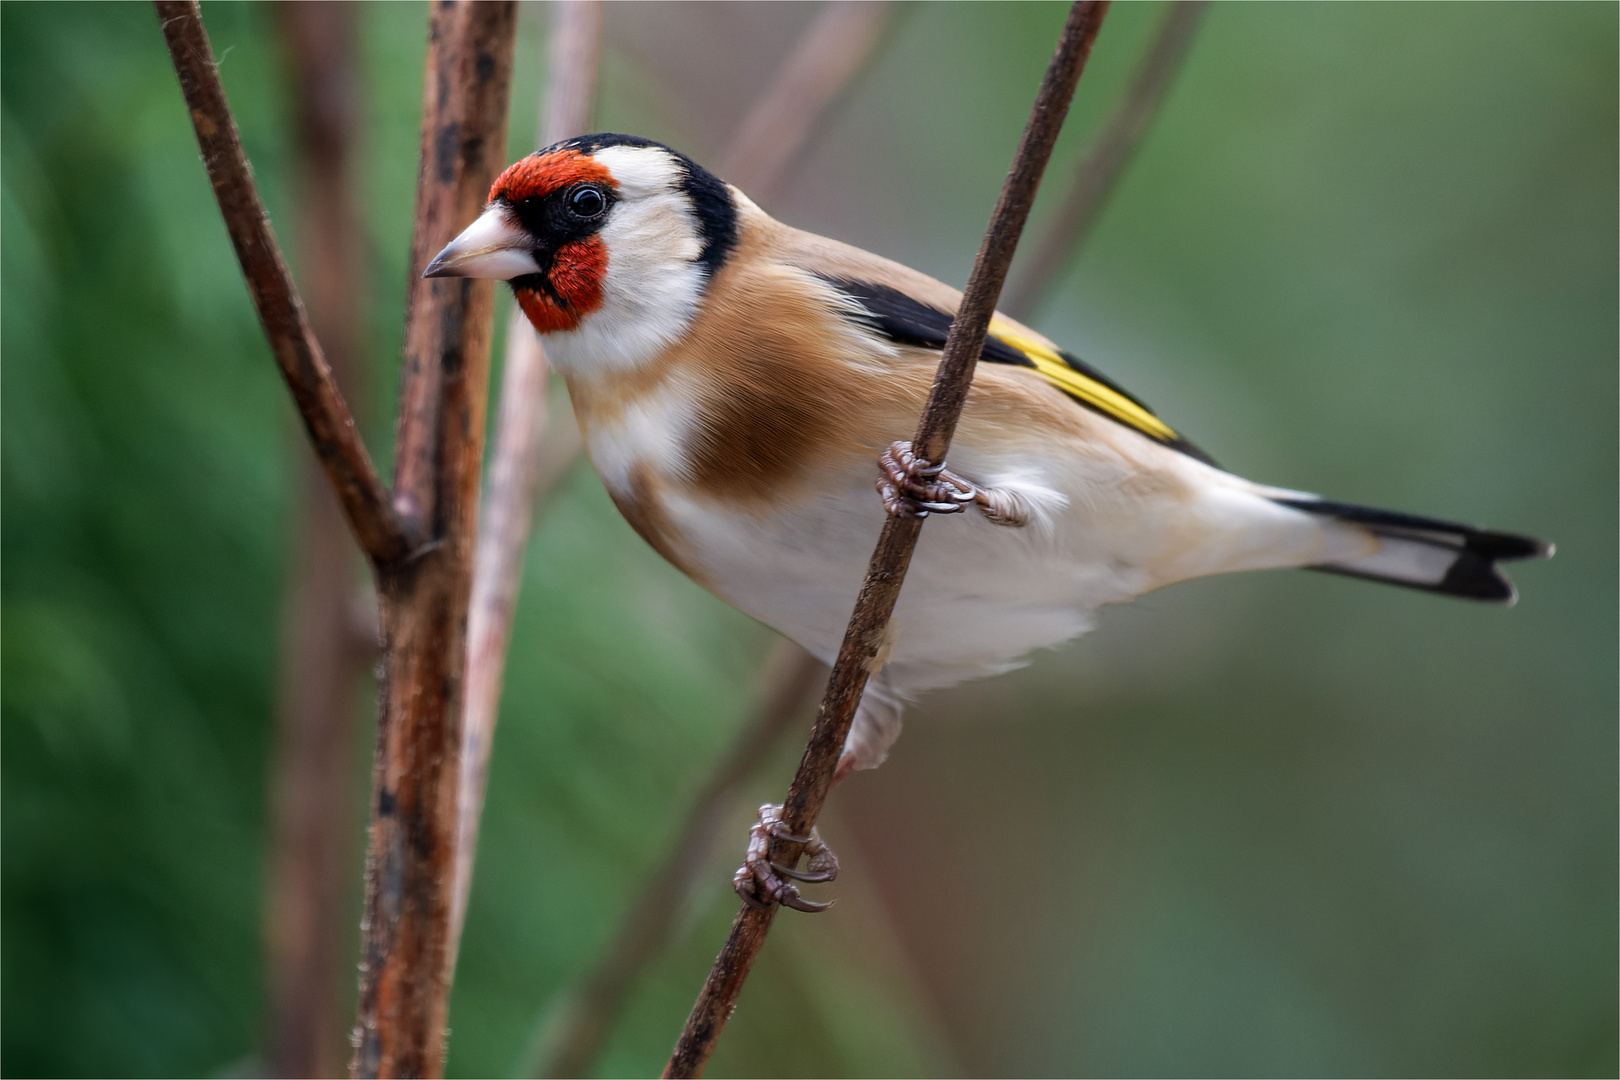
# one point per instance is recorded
(760, 882)
(911, 487)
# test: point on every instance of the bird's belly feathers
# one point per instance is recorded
(1114, 516)
(979, 597)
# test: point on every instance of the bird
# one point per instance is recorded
(743, 386)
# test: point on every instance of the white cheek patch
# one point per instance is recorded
(653, 283)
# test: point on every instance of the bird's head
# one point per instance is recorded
(608, 236)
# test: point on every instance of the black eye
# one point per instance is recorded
(587, 202)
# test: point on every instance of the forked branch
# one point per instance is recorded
(386, 536)
(423, 588)
(868, 625)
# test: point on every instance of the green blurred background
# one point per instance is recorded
(1280, 824)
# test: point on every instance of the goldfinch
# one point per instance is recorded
(741, 386)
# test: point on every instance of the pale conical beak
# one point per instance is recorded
(491, 247)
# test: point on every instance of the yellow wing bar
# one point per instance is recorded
(1106, 399)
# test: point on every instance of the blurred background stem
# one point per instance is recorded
(825, 62)
(574, 1036)
(1105, 159)
(835, 48)
(327, 646)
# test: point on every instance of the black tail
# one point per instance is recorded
(1424, 553)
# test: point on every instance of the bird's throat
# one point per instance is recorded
(571, 289)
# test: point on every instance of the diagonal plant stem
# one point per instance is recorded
(1103, 162)
(868, 629)
(387, 536)
(515, 470)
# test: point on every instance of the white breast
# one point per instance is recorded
(650, 432)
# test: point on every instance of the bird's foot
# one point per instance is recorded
(913, 488)
(760, 882)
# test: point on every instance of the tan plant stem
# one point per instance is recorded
(1104, 161)
(530, 457)
(790, 676)
(515, 466)
(576, 58)
(868, 626)
(315, 804)
(387, 536)
(824, 62)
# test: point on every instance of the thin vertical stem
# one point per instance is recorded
(821, 68)
(410, 869)
(576, 58)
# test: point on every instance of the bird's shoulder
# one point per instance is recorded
(909, 308)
